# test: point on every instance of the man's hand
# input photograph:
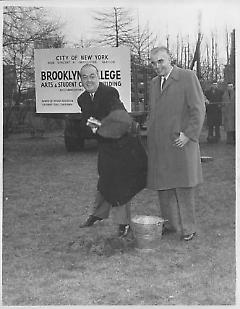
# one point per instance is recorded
(94, 124)
(181, 141)
(94, 130)
(93, 127)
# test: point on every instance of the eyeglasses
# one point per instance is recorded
(87, 77)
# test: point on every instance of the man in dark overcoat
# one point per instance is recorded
(122, 160)
(214, 113)
(177, 111)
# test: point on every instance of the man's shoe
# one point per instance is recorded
(90, 221)
(189, 236)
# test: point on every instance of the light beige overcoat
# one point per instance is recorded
(178, 108)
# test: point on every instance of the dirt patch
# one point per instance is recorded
(102, 246)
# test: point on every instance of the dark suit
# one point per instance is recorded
(122, 160)
(214, 113)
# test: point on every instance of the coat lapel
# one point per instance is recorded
(156, 91)
(97, 95)
(174, 75)
(96, 103)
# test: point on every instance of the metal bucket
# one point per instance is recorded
(147, 231)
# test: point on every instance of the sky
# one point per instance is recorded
(164, 17)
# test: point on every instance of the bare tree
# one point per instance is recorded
(177, 59)
(119, 27)
(24, 27)
(227, 46)
(216, 61)
(188, 53)
(114, 26)
(167, 40)
(181, 58)
(83, 43)
(207, 71)
(142, 42)
(212, 55)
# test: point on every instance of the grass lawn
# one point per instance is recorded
(48, 260)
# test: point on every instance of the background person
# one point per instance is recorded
(214, 113)
(229, 113)
(177, 111)
(122, 160)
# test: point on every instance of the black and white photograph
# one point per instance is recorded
(119, 153)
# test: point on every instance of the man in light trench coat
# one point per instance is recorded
(177, 112)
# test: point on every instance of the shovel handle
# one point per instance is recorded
(159, 223)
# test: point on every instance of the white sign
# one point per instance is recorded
(57, 76)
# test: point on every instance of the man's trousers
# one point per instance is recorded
(178, 207)
(101, 209)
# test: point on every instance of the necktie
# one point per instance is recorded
(92, 96)
(163, 82)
